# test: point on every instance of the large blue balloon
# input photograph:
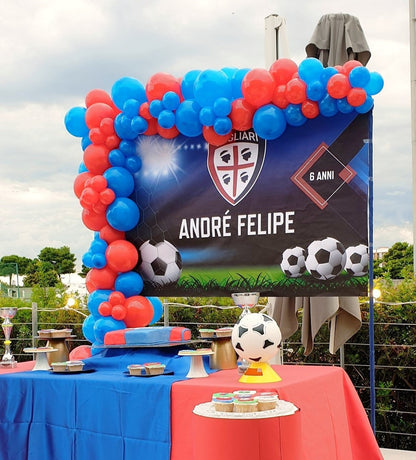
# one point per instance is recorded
(95, 299)
(310, 69)
(104, 325)
(187, 84)
(328, 106)
(236, 81)
(315, 90)
(88, 328)
(123, 214)
(294, 115)
(210, 85)
(344, 106)
(359, 77)
(366, 107)
(375, 85)
(120, 181)
(129, 283)
(327, 74)
(127, 88)
(75, 122)
(269, 122)
(157, 309)
(187, 118)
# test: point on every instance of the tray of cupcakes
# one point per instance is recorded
(147, 370)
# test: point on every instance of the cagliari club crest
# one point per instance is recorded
(235, 167)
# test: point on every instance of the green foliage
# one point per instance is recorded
(61, 259)
(397, 262)
(41, 274)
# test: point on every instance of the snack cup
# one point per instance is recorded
(136, 369)
(59, 367)
(74, 366)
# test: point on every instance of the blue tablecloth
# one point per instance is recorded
(103, 415)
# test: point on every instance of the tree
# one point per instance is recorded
(62, 260)
(397, 262)
(84, 271)
(41, 274)
(10, 265)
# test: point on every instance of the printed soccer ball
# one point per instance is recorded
(325, 258)
(161, 262)
(357, 260)
(293, 262)
(256, 337)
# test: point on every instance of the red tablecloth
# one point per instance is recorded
(333, 423)
(21, 367)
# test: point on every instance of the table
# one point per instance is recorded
(120, 416)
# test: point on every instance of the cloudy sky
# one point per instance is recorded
(54, 52)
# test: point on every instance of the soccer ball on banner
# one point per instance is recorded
(160, 262)
(357, 260)
(256, 337)
(325, 258)
(293, 262)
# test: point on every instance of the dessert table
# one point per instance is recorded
(109, 414)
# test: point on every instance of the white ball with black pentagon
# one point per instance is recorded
(325, 258)
(160, 262)
(357, 260)
(256, 337)
(293, 262)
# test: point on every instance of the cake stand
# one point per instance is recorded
(41, 363)
(196, 369)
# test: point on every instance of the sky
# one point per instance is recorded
(54, 52)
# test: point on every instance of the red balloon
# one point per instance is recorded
(339, 68)
(279, 98)
(349, 65)
(96, 112)
(110, 234)
(139, 311)
(100, 278)
(98, 95)
(80, 352)
(241, 114)
(112, 142)
(151, 127)
(121, 255)
(98, 183)
(79, 183)
(338, 86)
(257, 87)
(167, 133)
(283, 70)
(96, 136)
(119, 312)
(89, 197)
(94, 221)
(107, 196)
(144, 111)
(107, 126)
(96, 159)
(310, 109)
(356, 96)
(159, 84)
(105, 309)
(213, 138)
(296, 91)
(116, 298)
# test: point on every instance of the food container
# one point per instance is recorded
(224, 332)
(245, 405)
(136, 369)
(74, 366)
(206, 333)
(60, 333)
(45, 333)
(59, 367)
(154, 368)
(223, 402)
(267, 402)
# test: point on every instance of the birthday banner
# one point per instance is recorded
(285, 217)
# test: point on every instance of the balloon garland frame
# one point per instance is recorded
(211, 103)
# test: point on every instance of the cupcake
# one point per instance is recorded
(136, 369)
(74, 366)
(154, 368)
(59, 367)
(245, 405)
(223, 402)
(206, 333)
(267, 402)
(244, 393)
(224, 332)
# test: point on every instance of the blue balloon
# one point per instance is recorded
(98, 245)
(269, 122)
(127, 88)
(207, 116)
(187, 118)
(236, 82)
(87, 259)
(155, 107)
(222, 107)
(122, 126)
(99, 260)
(229, 71)
(116, 158)
(88, 328)
(157, 309)
(133, 164)
(327, 74)
(82, 168)
(210, 85)
(187, 84)
(359, 77)
(123, 214)
(128, 147)
(222, 126)
(366, 107)
(75, 122)
(170, 100)
(294, 115)
(375, 85)
(166, 119)
(120, 181)
(310, 69)
(85, 142)
(104, 325)
(344, 106)
(131, 107)
(328, 106)
(129, 283)
(139, 125)
(94, 300)
(315, 90)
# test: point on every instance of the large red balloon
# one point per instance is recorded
(159, 84)
(96, 112)
(79, 182)
(356, 96)
(296, 91)
(349, 65)
(96, 159)
(98, 95)
(94, 221)
(167, 133)
(338, 86)
(213, 138)
(310, 109)
(241, 115)
(279, 98)
(257, 87)
(110, 234)
(121, 255)
(139, 311)
(100, 278)
(283, 70)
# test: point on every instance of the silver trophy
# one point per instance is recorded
(7, 314)
(245, 301)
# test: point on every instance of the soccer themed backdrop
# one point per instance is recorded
(224, 181)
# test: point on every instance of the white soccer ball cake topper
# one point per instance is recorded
(160, 262)
(293, 262)
(256, 337)
(357, 260)
(325, 258)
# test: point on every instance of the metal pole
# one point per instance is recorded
(34, 322)
(412, 35)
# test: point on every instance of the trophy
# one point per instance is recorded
(245, 301)
(7, 314)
